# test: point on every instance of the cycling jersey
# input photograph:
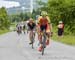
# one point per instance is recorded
(43, 20)
(31, 26)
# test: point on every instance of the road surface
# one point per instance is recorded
(16, 47)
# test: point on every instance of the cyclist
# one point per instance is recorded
(19, 28)
(31, 25)
(44, 24)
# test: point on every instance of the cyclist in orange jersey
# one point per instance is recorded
(44, 24)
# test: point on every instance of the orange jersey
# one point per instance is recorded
(43, 21)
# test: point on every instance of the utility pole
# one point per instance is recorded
(31, 6)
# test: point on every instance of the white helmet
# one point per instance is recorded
(60, 22)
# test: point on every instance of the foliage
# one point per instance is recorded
(19, 17)
(63, 10)
(4, 21)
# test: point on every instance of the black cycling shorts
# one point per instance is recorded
(43, 27)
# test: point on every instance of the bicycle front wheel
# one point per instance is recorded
(43, 50)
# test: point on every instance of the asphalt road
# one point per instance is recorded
(16, 47)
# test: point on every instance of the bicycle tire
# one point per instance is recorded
(43, 50)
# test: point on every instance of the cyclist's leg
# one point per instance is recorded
(48, 36)
(41, 43)
(34, 33)
(30, 36)
(33, 36)
(40, 37)
(48, 39)
(41, 32)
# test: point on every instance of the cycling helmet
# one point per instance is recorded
(31, 20)
(44, 13)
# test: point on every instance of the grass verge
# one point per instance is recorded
(67, 39)
(4, 31)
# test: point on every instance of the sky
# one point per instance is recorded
(8, 4)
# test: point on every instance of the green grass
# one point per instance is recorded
(4, 31)
(67, 39)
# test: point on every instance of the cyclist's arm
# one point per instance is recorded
(39, 19)
(49, 22)
(48, 19)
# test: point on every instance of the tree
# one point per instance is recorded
(4, 21)
(42, 5)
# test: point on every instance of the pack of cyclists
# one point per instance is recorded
(43, 23)
(20, 27)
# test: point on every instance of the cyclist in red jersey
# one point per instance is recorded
(44, 24)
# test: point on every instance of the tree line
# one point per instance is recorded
(57, 10)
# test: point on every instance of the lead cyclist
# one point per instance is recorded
(44, 24)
